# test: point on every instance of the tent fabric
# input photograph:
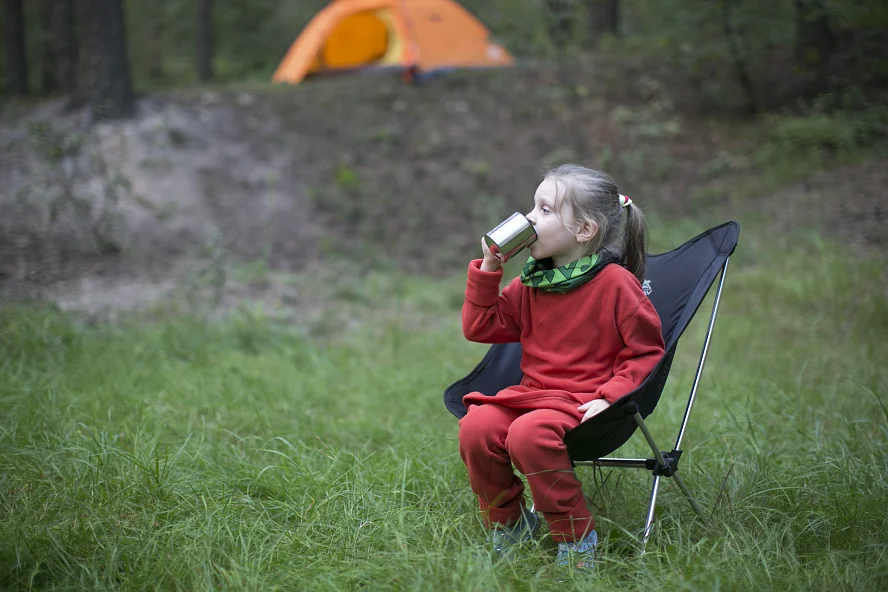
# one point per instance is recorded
(421, 35)
(359, 38)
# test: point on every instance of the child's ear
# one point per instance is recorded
(587, 231)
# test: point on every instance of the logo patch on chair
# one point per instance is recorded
(646, 286)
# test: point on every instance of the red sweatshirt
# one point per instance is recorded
(600, 340)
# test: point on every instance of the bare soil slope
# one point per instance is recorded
(364, 168)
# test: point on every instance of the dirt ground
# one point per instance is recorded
(368, 169)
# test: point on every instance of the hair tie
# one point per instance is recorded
(624, 201)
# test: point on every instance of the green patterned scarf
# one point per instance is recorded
(540, 274)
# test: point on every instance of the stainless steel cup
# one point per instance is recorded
(510, 236)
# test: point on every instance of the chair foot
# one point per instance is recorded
(650, 516)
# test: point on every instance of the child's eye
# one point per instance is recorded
(545, 210)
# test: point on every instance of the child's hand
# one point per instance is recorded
(490, 263)
(593, 408)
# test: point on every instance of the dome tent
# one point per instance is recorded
(419, 36)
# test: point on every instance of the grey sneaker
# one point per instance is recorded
(504, 538)
(579, 553)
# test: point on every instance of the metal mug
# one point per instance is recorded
(510, 236)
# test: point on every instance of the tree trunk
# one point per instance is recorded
(60, 47)
(82, 64)
(604, 18)
(16, 54)
(157, 27)
(740, 65)
(205, 40)
(815, 39)
(560, 18)
(110, 89)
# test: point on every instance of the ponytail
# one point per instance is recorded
(635, 241)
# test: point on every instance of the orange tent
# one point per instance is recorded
(415, 35)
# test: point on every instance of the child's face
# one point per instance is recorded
(554, 239)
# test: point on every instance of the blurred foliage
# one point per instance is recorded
(705, 43)
(831, 131)
(696, 36)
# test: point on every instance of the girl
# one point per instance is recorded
(589, 335)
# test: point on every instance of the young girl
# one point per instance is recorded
(589, 335)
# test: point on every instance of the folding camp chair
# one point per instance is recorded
(676, 282)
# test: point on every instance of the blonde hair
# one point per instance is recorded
(593, 197)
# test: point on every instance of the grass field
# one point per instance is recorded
(184, 454)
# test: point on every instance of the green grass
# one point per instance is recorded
(184, 454)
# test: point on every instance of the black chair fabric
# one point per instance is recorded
(676, 283)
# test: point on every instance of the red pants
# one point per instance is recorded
(492, 437)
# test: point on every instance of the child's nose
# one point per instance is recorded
(531, 218)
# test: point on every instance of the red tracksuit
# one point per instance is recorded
(600, 340)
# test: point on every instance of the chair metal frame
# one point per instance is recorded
(666, 464)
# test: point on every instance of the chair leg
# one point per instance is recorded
(650, 517)
(687, 493)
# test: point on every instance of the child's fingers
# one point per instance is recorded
(584, 406)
